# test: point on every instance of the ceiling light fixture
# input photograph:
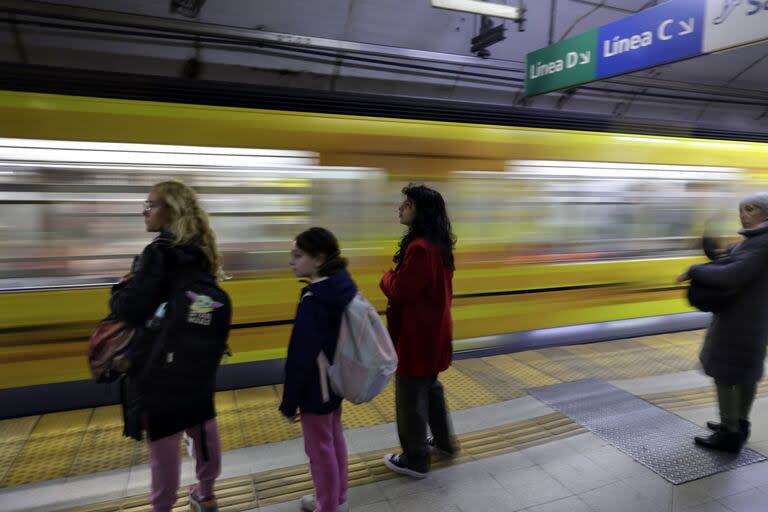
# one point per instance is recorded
(480, 7)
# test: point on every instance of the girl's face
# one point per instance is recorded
(156, 214)
(751, 216)
(407, 212)
(304, 265)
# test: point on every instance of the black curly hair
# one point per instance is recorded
(431, 222)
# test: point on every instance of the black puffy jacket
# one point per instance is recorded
(167, 398)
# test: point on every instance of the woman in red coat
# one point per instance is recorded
(419, 321)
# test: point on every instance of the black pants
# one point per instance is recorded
(421, 401)
(735, 401)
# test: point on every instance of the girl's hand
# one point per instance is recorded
(126, 277)
(683, 277)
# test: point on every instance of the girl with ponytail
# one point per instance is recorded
(316, 256)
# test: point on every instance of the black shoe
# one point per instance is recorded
(744, 428)
(723, 441)
(395, 462)
(442, 451)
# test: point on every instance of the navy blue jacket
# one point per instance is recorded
(316, 328)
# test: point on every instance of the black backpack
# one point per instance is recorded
(180, 346)
(188, 334)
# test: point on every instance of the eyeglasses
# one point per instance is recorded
(148, 206)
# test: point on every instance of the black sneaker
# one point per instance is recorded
(433, 446)
(394, 462)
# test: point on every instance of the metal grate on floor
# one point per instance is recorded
(658, 439)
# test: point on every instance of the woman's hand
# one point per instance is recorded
(126, 277)
(683, 277)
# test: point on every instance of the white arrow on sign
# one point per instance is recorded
(585, 57)
(687, 27)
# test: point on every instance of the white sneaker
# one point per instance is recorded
(308, 504)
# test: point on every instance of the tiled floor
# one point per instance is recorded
(581, 473)
(73, 443)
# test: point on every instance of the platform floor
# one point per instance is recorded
(517, 453)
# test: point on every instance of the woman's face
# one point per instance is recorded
(751, 216)
(302, 264)
(156, 213)
(407, 212)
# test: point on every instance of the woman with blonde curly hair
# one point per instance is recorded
(172, 379)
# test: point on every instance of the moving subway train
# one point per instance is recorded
(556, 228)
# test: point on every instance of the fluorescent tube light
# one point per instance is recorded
(478, 7)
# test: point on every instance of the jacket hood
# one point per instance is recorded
(186, 254)
(338, 290)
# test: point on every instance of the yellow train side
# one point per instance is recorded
(44, 333)
(402, 146)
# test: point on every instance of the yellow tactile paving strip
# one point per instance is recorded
(276, 486)
(65, 444)
(687, 398)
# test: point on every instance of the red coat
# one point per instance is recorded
(419, 310)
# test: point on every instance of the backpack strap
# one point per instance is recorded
(180, 280)
(322, 360)
(323, 365)
(157, 347)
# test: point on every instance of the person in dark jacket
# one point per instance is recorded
(164, 401)
(316, 256)
(420, 290)
(734, 348)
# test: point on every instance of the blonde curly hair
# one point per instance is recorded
(189, 221)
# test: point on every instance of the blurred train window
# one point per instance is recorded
(70, 213)
(563, 211)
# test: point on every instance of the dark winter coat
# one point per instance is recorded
(420, 292)
(163, 399)
(735, 344)
(316, 328)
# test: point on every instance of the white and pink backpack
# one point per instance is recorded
(365, 358)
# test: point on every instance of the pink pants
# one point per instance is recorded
(165, 462)
(327, 452)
